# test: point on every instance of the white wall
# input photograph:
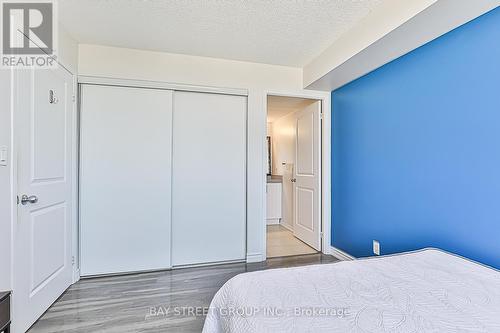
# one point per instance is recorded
(258, 79)
(67, 51)
(283, 141)
(269, 129)
(95, 60)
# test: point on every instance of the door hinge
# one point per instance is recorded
(73, 98)
(73, 260)
(321, 116)
(17, 199)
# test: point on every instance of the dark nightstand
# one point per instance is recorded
(5, 311)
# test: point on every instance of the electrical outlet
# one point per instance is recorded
(376, 247)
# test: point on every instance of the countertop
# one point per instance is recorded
(4, 294)
(274, 179)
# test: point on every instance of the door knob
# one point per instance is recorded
(293, 180)
(31, 199)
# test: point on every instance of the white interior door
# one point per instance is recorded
(209, 178)
(125, 179)
(307, 191)
(42, 235)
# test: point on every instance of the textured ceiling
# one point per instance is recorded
(284, 32)
(278, 106)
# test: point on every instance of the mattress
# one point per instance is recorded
(423, 291)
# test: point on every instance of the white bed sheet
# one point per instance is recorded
(423, 291)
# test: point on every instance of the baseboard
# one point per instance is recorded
(76, 275)
(207, 264)
(254, 257)
(339, 254)
(287, 226)
(272, 221)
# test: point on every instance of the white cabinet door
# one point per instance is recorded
(42, 234)
(125, 195)
(209, 178)
(274, 197)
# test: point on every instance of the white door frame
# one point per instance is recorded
(325, 166)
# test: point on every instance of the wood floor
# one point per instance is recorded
(137, 303)
(281, 242)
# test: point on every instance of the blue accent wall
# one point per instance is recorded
(416, 149)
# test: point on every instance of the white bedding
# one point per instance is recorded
(424, 291)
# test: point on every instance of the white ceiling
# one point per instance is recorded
(282, 32)
(278, 106)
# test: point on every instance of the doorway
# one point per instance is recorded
(293, 188)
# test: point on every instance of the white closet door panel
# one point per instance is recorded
(125, 199)
(209, 178)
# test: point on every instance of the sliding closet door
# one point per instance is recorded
(209, 178)
(125, 183)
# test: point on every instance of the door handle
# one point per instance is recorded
(28, 199)
(293, 180)
(52, 97)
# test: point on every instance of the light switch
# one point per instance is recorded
(3, 156)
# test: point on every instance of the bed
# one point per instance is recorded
(423, 291)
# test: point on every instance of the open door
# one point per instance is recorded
(307, 180)
(42, 235)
